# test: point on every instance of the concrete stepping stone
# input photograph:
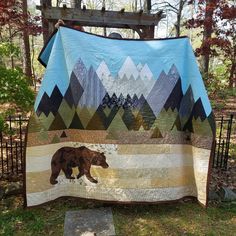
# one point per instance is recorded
(89, 222)
(227, 194)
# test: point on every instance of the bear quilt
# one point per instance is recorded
(119, 120)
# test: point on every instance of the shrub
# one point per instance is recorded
(14, 89)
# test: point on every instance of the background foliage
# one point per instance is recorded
(14, 89)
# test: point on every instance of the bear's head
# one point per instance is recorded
(99, 159)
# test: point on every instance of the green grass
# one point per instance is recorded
(175, 219)
(163, 219)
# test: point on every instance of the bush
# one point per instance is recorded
(14, 89)
(217, 82)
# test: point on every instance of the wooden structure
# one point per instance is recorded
(142, 23)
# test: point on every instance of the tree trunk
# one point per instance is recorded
(26, 44)
(10, 40)
(232, 76)
(135, 9)
(177, 26)
(75, 3)
(179, 15)
(140, 4)
(32, 62)
(207, 32)
(149, 5)
(104, 28)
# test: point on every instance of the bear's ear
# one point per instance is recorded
(103, 153)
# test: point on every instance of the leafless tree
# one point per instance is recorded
(176, 7)
(26, 43)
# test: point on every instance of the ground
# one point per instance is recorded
(222, 178)
(183, 218)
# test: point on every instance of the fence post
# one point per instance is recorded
(229, 128)
(219, 142)
(16, 158)
(222, 152)
(21, 143)
(1, 142)
(214, 153)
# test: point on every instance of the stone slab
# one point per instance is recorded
(89, 222)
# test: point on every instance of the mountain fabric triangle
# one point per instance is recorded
(111, 114)
(63, 135)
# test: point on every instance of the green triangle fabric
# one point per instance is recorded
(57, 123)
(76, 123)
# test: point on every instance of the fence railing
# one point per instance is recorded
(12, 146)
(222, 142)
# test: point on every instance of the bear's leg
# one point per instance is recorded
(68, 172)
(54, 175)
(81, 171)
(89, 177)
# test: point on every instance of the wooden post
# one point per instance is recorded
(45, 22)
(148, 30)
(145, 32)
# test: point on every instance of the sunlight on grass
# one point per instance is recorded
(140, 220)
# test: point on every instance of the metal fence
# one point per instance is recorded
(222, 142)
(12, 146)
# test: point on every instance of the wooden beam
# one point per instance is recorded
(98, 18)
(144, 32)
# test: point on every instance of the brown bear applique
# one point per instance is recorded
(67, 157)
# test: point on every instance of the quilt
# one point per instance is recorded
(119, 120)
